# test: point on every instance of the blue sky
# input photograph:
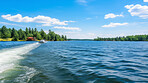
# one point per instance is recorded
(81, 19)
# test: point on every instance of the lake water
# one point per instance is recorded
(73, 62)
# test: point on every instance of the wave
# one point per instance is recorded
(9, 58)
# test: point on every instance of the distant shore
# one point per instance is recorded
(11, 39)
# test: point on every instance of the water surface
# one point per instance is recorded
(73, 62)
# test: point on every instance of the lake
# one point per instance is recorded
(73, 62)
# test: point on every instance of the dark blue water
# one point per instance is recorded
(73, 62)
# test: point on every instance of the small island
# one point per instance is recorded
(29, 34)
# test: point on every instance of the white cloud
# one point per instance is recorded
(5, 23)
(45, 20)
(138, 10)
(81, 1)
(115, 24)
(70, 32)
(145, 0)
(67, 28)
(111, 15)
(88, 18)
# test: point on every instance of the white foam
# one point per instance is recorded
(10, 57)
(25, 78)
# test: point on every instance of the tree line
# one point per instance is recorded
(30, 32)
(126, 38)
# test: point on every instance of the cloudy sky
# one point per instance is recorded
(81, 19)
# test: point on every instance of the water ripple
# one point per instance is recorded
(88, 62)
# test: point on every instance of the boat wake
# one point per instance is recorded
(9, 60)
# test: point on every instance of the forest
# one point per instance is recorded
(126, 38)
(20, 34)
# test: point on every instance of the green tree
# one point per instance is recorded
(43, 34)
(0, 34)
(48, 37)
(65, 38)
(52, 35)
(30, 35)
(5, 32)
(10, 30)
(16, 36)
(38, 36)
(127, 38)
(57, 37)
(24, 37)
(30, 30)
(20, 32)
(27, 31)
(35, 30)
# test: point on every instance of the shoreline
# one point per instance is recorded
(10, 39)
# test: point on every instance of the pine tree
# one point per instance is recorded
(35, 29)
(16, 36)
(20, 32)
(27, 31)
(24, 37)
(65, 38)
(12, 32)
(43, 34)
(30, 30)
